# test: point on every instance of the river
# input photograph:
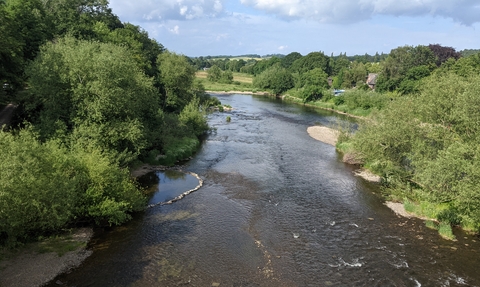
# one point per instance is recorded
(277, 208)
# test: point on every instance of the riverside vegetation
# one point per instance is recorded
(420, 131)
(95, 98)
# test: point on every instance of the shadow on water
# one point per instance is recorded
(163, 186)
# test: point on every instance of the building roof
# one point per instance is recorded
(372, 78)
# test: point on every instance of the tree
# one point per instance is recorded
(399, 62)
(81, 88)
(411, 81)
(288, 60)
(316, 77)
(177, 76)
(144, 50)
(442, 54)
(263, 65)
(312, 93)
(11, 53)
(275, 78)
(311, 61)
(427, 145)
(24, 27)
(226, 77)
(214, 73)
(340, 63)
(78, 17)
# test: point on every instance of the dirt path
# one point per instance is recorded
(6, 115)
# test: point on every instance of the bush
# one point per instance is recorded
(312, 93)
(38, 187)
(179, 149)
(449, 216)
(339, 100)
(45, 187)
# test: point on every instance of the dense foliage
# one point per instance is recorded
(425, 145)
(95, 96)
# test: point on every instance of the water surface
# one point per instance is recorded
(277, 208)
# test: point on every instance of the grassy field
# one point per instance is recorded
(241, 82)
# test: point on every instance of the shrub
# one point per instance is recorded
(445, 231)
(339, 100)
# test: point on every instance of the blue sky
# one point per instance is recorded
(235, 27)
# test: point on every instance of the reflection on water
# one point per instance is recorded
(277, 208)
(166, 185)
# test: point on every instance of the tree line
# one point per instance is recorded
(95, 97)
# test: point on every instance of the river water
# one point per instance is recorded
(277, 208)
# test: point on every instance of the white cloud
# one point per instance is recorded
(175, 30)
(281, 48)
(350, 11)
(162, 10)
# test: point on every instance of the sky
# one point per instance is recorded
(237, 27)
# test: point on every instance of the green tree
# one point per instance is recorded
(311, 61)
(24, 27)
(340, 63)
(60, 186)
(78, 17)
(316, 77)
(276, 79)
(400, 60)
(177, 77)
(11, 53)
(226, 77)
(81, 87)
(427, 144)
(144, 50)
(262, 65)
(214, 73)
(288, 60)
(312, 93)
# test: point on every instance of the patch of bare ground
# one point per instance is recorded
(398, 208)
(352, 158)
(34, 266)
(324, 134)
(368, 175)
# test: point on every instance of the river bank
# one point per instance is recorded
(239, 92)
(286, 98)
(330, 136)
(36, 264)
